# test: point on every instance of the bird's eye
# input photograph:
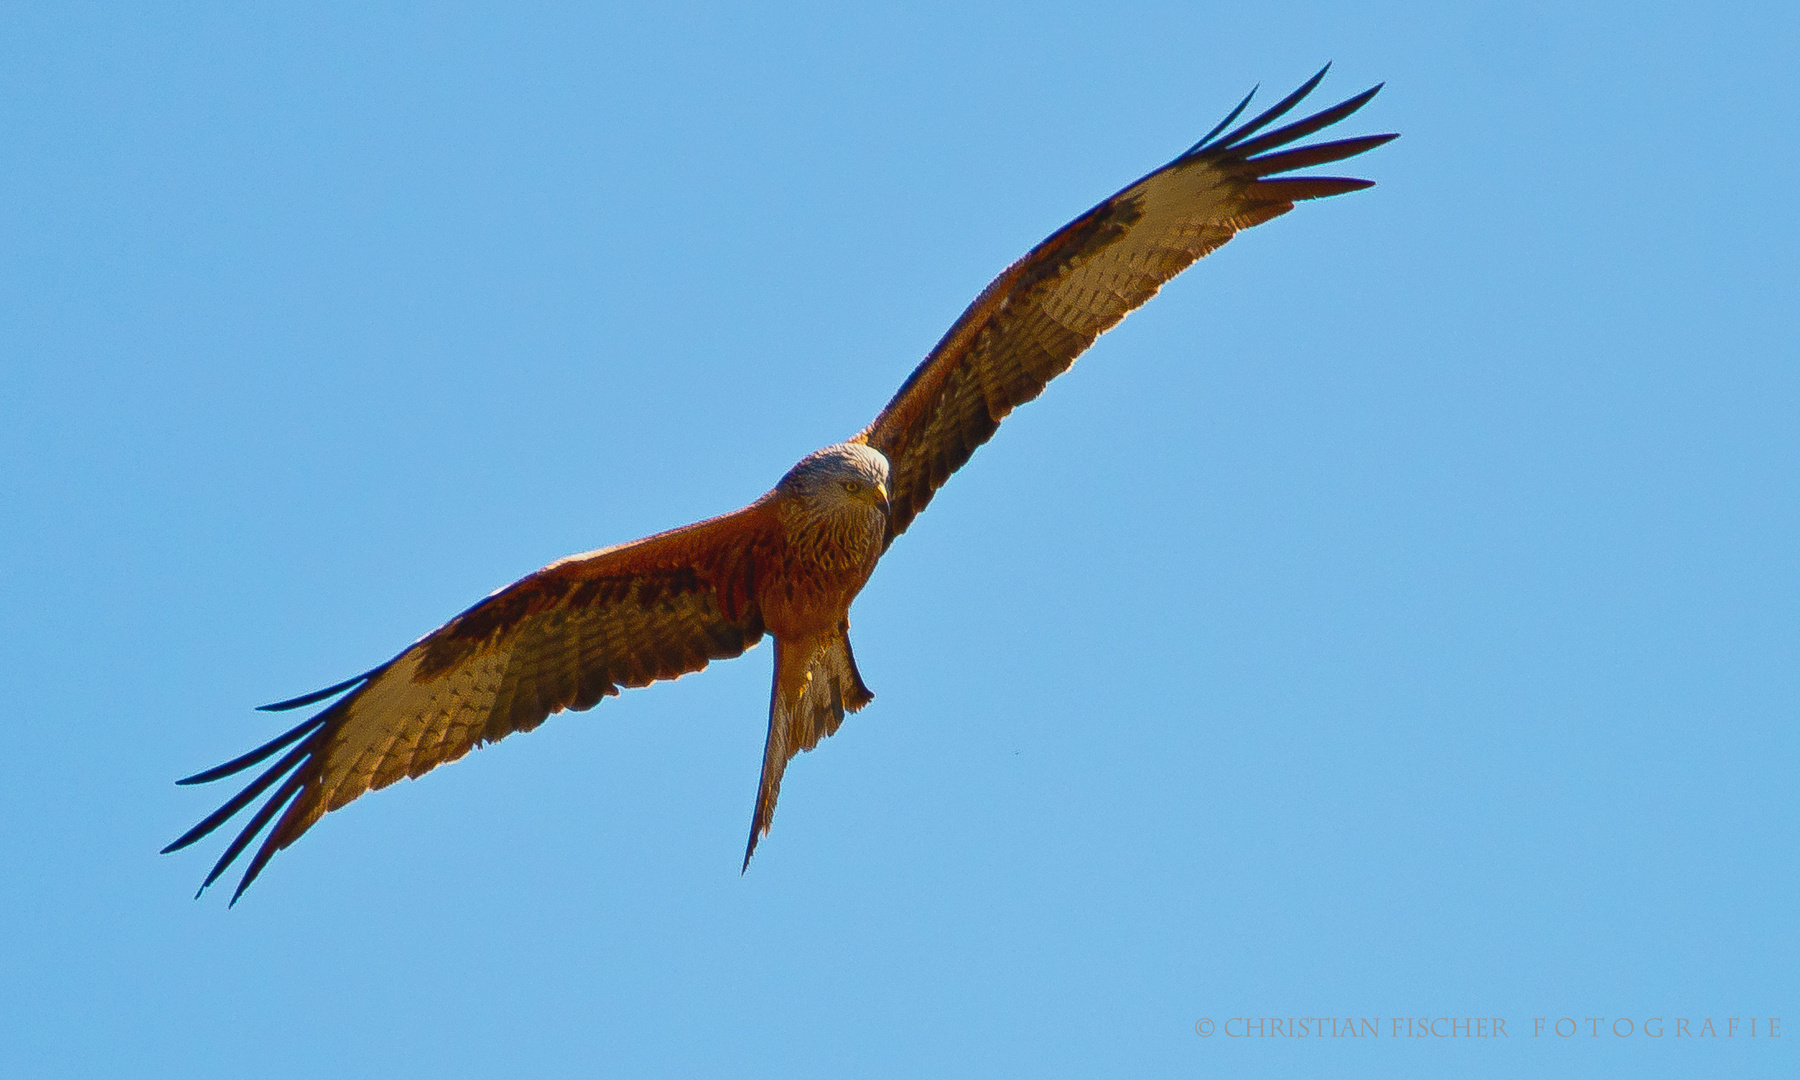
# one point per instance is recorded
(853, 487)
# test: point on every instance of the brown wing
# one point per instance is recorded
(562, 638)
(1030, 324)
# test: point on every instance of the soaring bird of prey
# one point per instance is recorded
(789, 564)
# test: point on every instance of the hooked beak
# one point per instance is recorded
(881, 495)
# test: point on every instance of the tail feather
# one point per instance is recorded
(815, 684)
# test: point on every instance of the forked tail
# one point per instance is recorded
(816, 682)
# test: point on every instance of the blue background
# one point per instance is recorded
(1396, 617)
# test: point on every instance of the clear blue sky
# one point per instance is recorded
(1397, 617)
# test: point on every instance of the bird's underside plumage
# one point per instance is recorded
(790, 563)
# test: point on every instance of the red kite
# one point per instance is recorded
(790, 563)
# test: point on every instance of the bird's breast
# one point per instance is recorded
(825, 563)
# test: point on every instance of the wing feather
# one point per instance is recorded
(1030, 323)
(563, 638)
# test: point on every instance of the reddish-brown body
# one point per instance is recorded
(821, 567)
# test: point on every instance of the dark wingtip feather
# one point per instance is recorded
(317, 695)
(1305, 157)
(283, 795)
(1276, 110)
(1223, 124)
(266, 750)
(1300, 188)
(1299, 129)
(243, 798)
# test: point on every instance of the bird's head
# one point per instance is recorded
(848, 476)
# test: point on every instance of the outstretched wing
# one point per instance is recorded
(1030, 324)
(562, 638)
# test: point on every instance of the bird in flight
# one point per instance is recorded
(789, 564)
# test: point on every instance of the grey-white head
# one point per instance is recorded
(847, 476)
